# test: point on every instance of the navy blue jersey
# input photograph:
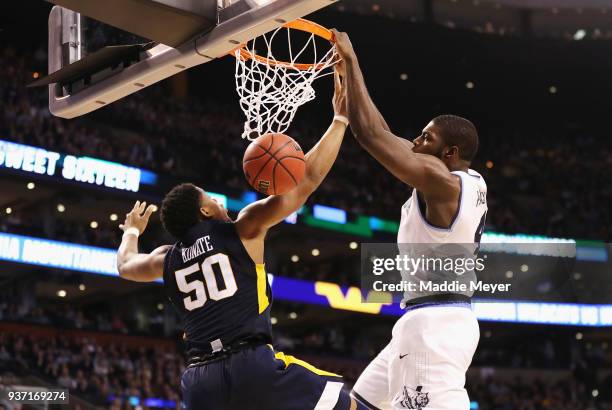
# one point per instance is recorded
(222, 296)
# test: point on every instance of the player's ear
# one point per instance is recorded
(205, 211)
(451, 151)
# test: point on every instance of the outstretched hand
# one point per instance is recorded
(343, 45)
(138, 217)
(339, 100)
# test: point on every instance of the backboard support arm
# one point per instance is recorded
(161, 61)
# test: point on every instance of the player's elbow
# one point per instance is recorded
(121, 268)
(124, 269)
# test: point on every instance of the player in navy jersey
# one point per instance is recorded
(215, 276)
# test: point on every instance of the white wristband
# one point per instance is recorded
(132, 231)
(342, 119)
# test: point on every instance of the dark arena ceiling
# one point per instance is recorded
(563, 19)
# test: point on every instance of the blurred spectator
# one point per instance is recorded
(553, 185)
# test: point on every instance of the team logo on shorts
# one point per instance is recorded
(413, 399)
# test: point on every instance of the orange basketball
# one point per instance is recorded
(274, 164)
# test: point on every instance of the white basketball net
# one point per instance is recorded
(271, 91)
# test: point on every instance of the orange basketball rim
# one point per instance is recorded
(300, 24)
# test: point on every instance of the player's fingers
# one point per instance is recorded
(337, 37)
(148, 212)
(336, 32)
(338, 83)
(340, 67)
(122, 227)
(142, 208)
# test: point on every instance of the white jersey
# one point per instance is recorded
(418, 238)
(467, 224)
(424, 364)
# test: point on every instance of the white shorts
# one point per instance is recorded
(424, 365)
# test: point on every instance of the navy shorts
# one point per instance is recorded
(257, 378)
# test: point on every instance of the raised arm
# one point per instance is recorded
(426, 173)
(255, 219)
(139, 267)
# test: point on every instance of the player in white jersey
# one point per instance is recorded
(432, 344)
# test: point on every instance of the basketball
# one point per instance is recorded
(274, 164)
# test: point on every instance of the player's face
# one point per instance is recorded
(213, 209)
(429, 142)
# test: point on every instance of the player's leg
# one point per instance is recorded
(372, 387)
(204, 387)
(430, 353)
(269, 380)
(346, 402)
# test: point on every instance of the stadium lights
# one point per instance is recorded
(292, 315)
(595, 393)
(35, 74)
(81, 287)
(113, 217)
(552, 89)
(579, 336)
(155, 208)
(353, 245)
(160, 306)
(489, 164)
(580, 34)
(524, 268)
(31, 185)
(295, 258)
(315, 252)
(509, 274)
(61, 293)
(8, 210)
(469, 85)
(273, 320)
(93, 224)
(61, 208)
(330, 214)
(81, 258)
(577, 276)
(403, 76)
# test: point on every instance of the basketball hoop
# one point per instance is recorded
(270, 89)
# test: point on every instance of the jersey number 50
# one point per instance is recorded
(210, 281)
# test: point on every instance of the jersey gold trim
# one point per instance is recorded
(289, 360)
(262, 297)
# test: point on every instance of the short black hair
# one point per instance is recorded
(461, 132)
(180, 209)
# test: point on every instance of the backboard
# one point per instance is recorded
(92, 64)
